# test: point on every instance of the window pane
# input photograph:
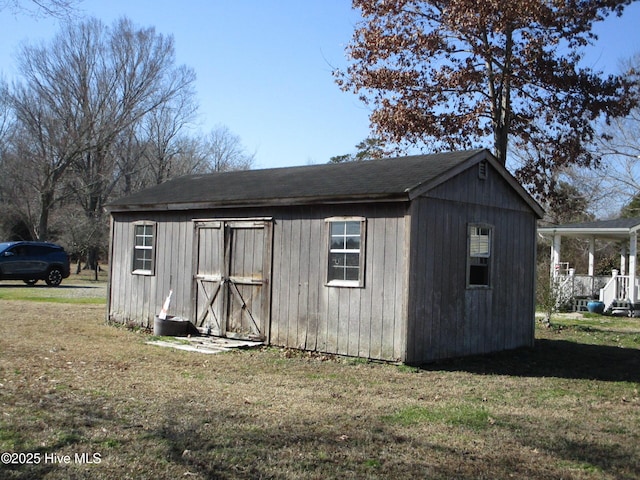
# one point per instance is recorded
(353, 243)
(337, 259)
(337, 228)
(336, 266)
(337, 243)
(352, 273)
(352, 259)
(479, 275)
(479, 242)
(353, 228)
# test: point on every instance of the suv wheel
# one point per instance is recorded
(31, 282)
(54, 277)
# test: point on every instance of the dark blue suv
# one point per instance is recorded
(33, 261)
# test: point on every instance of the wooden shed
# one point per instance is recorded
(407, 259)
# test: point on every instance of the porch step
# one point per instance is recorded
(619, 305)
(623, 308)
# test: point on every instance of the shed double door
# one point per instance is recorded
(232, 268)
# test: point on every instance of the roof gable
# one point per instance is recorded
(400, 178)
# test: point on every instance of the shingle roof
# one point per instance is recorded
(394, 178)
(604, 228)
(626, 223)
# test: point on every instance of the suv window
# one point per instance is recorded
(38, 250)
(20, 250)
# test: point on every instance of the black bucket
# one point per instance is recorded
(169, 327)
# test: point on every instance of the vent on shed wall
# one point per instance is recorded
(482, 170)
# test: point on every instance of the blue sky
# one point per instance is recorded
(264, 67)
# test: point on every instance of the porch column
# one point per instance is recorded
(633, 249)
(592, 255)
(555, 254)
(623, 259)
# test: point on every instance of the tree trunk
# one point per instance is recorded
(501, 142)
(46, 200)
(92, 258)
(502, 114)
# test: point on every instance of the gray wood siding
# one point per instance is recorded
(446, 318)
(305, 312)
(138, 298)
(492, 192)
(308, 314)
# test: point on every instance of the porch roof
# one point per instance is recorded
(616, 229)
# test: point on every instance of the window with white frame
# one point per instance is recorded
(479, 257)
(144, 248)
(346, 251)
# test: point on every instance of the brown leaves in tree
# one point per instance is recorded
(452, 73)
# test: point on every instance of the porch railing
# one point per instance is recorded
(608, 289)
(616, 289)
(587, 286)
(574, 288)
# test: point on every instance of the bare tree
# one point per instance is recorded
(620, 147)
(19, 198)
(137, 82)
(225, 151)
(5, 111)
(135, 79)
(41, 154)
(5, 121)
(193, 156)
(128, 153)
(161, 129)
(81, 93)
(39, 8)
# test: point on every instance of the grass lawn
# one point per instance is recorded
(73, 388)
(78, 288)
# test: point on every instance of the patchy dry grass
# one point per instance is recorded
(72, 385)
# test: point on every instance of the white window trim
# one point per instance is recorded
(140, 271)
(361, 252)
